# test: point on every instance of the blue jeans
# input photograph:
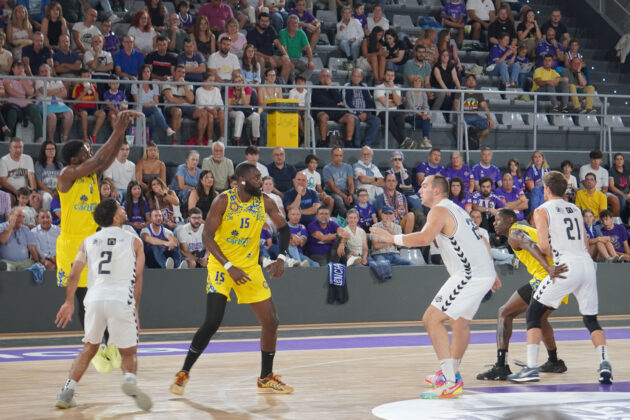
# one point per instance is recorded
(522, 80)
(156, 258)
(155, 117)
(278, 19)
(418, 122)
(271, 253)
(295, 253)
(414, 201)
(393, 258)
(507, 73)
(381, 268)
(373, 126)
(351, 49)
(398, 68)
(477, 121)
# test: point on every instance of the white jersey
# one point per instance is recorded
(465, 252)
(111, 265)
(566, 230)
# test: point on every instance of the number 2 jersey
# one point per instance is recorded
(465, 252)
(111, 266)
(566, 230)
(238, 235)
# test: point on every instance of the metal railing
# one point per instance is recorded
(617, 12)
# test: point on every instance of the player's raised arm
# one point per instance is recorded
(67, 309)
(436, 220)
(284, 236)
(519, 240)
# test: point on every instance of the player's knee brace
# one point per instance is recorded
(591, 322)
(535, 312)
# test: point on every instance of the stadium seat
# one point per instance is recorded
(588, 122)
(615, 123)
(438, 120)
(562, 121)
(543, 123)
(514, 120)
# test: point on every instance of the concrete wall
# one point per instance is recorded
(176, 299)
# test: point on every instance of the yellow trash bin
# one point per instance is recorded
(282, 123)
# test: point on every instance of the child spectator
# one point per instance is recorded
(314, 181)
(600, 247)
(618, 236)
(526, 69)
(299, 93)
(136, 207)
(359, 14)
(186, 21)
(86, 95)
(365, 211)
(111, 43)
(115, 100)
(23, 196)
(299, 236)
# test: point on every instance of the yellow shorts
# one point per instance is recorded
(255, 290)
(67, 249)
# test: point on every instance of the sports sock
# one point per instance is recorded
(501, 356)
(191, 358)
(602, 352)
(70, 384)
(266, 362)
(532, 355)
(129, 377)
(448, 369)
(456, 363)
(553, 355)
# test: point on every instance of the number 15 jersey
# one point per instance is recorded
(566, 230)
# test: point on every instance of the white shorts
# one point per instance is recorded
(580, 280)
(119, 319)
(459, 297)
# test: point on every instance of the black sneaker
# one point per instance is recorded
(496, 373)
(553, 367)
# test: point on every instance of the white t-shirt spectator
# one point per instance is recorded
(17, 172)
(601, 174)
(301, 97)
(482, 8)
(262, 168)
(381, 90)
(143, 41)
(121, 173)
(207, 97)
(312, 179)
(104, 58)
(85, 34)
(224, 65)
(192, 239)
(383, 23)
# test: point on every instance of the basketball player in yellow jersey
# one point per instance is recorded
(524, 242)
(79, 195)
(232, 235)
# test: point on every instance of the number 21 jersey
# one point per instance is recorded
(566, 230)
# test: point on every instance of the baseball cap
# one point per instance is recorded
(388, 210)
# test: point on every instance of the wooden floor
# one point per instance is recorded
(330, 384)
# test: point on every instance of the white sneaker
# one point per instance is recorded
(114, 18)
(221, 140)
(170, 263)
(183, 265)
(267, 262)
(169, 132)
(305, 263)
(426, 143)
(354, 260)
(291, 262)
(143, 401)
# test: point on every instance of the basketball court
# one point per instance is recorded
(341, 371)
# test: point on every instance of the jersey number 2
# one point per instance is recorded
(571, 226)
(106, 259)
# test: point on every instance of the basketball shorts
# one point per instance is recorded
(581, 280)
(67, 249)
(527, 291)
(459, 297)
(255, 290)
(118, 317)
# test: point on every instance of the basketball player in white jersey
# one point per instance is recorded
(114, 260)
(562, 236)
(466, 255)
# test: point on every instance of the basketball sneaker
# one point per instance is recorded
(65, 399)
(177, 387)
(112, 353)
(438, 379)
(272, 383)
(446, 390)
(496, 373)
(101, 362)
(526, 375)
(143, 401)
(605, 373)
(553, 367)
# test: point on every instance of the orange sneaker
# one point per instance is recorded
(447, 390)
(178, 386)
(272, 383)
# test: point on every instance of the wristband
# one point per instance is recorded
(398, 240)
(227, 266)
(282, 257)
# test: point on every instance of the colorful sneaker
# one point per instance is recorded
(112, 353)
(272, 383)
(438, 379)
(65, 399)
(553, 367)
(177, 387)
(101, 362)
(446, 390)
(143, 401)
(526, 375)
(605, 373)
(496, 373)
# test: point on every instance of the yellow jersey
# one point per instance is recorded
(533, 266)
(238, 235)
(77, 205)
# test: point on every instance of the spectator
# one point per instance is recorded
(561, 34)
(16, 168)
(179, 98)
(190, 240)
(486, 202)
(121, 172)
(549, 46)
(193, 62)
(209, 98)
(45, 235)
(6, 58)
(472, 104)
(186, 177)
(397, 201)
(111, 43)
(54, 89)
(264, 37)
(591, 197)
(444, 76)
(536, 170)
(354, 247)
(428, 38)
(578, 84)
(18, 102)
(339, 179)
(417, 101)
(221, 167)
(143, 33)
(203, 194)
(160, 245)
(567, 169)
(250, 66)
(366, 211)
(150, 166)
(264, 95)
(349, 34)
(501, 62)
(460, 170)
(367, 175)
(388, 96)
(162, 62)
(174, 34)
(47, 169)
(397, 54)
(574, 52)
(82, 32)
(418, 68)
(361, 102)
(388, 252)
(128, 61)
(514, 168)
(405, 181)
(223, 64)
(618, 235)
(186, 20)
(528, 32)
(323, 238)
(359, 14)
(314, 181)
(454, 16)
(238, 39)
(19, 31)
(296, 44)
(18, 248)
(373, 52)
(147, 96)
(299, 92)
(36, 54)
(55, 209)
(332, 100)
(136, 207)
(431, 166)
(217, 14)
(97, 60)
(601, 174)
(5, 206)
(114, 100)
(618, 184)
(299, 236)
(86, 103)
(106, 8)
(30, 214)
(300, 196)
(157, 13)
(485, 168)
(106, 190)
(502, 25)
(252, 153)
(281, 172)
(307, 22)
(376, 19)
(526, 70)
(161, 198)
(458, 194)
(268, 188)
(480, 14)
(514, 199)
(53, 24)
(204, 39)
(600, 247)
(269, 250)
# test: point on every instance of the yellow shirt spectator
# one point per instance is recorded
(596, 201)
(544, 75)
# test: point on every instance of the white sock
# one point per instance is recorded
(448, 369)
(456, 363)
(70, 384)
(130, 377)
(532, 355)
(602, 352)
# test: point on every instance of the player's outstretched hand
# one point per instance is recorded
(276, 269)
(556, 270)
(239, 276)
(64, 315)
(124, 117)
(382, 235)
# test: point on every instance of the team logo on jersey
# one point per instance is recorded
(111, 241)
(83, 204)
(235, 233)
(234, 206)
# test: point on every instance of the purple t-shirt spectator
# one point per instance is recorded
(455, 9)
(492, 172)
(490, 202)
(316, 247)
(519, 184)
(361, 18)
(300, 231)
(523, 61)
(593, 231)
(466, 202)
(137, 215)
(426, 169)
(536, 175)
(365, 215)
(464, 173)
(307, 17)
(618, 235)
(545, 48)
(508, 197)
(497, 52)
(55, 205)
(114, 98)
(264, 235)
(111, 44)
